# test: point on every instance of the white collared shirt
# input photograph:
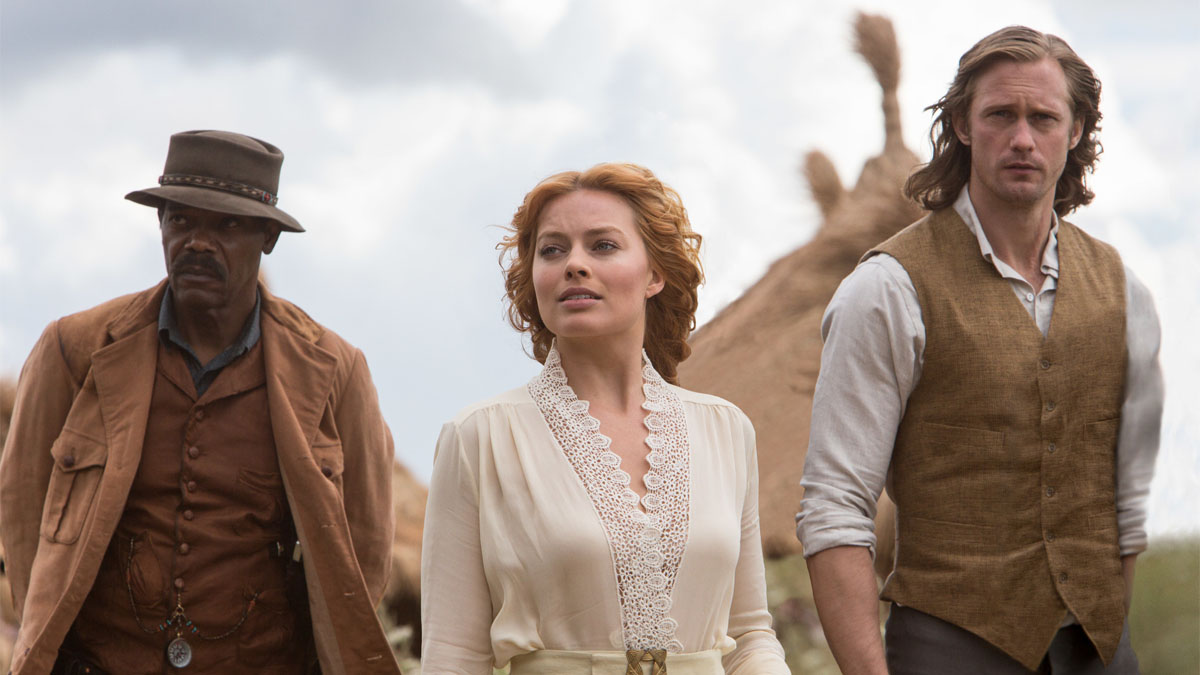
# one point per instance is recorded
(871, 362)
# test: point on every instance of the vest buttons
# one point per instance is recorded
(1045, 364)
(1050, 406)
(1051, 448)
(1049, 492)
(327, 471)
(68, 461)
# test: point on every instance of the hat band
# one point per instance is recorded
(216, 184)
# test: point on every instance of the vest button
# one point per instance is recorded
(1045, 364)
(1049, 536)
(1050, 406)
(1051, 448)
(1049, 492)
(327, 471)
(179, 583)
(188, 515)
(1062, 577)
(184, 548)
(191, 486)
(200, 414)
(193, 452)
(68, 461)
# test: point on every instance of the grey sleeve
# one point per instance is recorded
(870, 363)
(1141, 415)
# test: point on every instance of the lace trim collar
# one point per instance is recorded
(646, 545)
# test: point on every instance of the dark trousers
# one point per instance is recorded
(920, 644)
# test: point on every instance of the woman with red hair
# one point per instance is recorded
(599, 519)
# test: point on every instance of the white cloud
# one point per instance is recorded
(8, 251)
(527, 22)
(388, 142)
(399, 179)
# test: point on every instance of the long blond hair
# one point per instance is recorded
(936, 185)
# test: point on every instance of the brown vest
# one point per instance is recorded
(203, 514)
(1003, 470)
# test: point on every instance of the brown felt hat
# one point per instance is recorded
(221, 171)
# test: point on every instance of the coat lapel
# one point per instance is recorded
(124, 376)
(123, 371)
(299, 380)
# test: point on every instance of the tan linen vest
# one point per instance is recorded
(1004, 471)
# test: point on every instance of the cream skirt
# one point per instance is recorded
(553, 662)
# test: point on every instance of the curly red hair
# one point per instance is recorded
(672, 246)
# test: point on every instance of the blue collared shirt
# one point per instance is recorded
(203, 375)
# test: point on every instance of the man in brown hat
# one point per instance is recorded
(1018, 450)
(197, 476)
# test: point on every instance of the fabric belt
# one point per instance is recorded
(560, 662)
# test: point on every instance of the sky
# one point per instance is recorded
(412, 129)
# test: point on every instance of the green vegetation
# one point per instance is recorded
(1165, 617)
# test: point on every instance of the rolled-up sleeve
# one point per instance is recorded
(874, 340)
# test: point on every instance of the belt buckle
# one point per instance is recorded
(634, 658)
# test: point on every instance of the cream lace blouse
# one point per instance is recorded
(534, 540)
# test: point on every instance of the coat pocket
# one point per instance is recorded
(78, 467)
(329, 460)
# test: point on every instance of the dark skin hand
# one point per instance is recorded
(212, 264)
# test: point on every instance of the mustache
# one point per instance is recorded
(196, 260)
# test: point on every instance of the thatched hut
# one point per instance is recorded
(763, 351)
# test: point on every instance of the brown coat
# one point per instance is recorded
(76, 440)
